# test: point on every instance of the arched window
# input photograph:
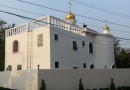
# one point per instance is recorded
(15, 46)
(113, 66)
(91, 66)
(90, 48)
(9, 68)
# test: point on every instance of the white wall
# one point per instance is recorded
(62, 50)
(28, 43)
(104, 51)
(20, 80)
(68, 79)
(41, 55)
(19, 58)
(64, 79)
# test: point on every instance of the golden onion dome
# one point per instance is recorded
(70, 16)
(106, 27)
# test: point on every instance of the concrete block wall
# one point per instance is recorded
(69, 79)
(64, 79)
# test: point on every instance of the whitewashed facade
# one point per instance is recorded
(54, 43)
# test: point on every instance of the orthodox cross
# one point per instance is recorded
(106, 22)
(70, 6)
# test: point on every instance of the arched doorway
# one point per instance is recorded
(91, 66)
(9, 68)
(113, 66)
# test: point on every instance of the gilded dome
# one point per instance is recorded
(106, 27)
(70, 16)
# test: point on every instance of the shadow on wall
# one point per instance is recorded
(21, 80)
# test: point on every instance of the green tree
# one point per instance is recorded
(43, 85)
(117, 47)
(122, 58)
(81, 87)
(3, 27)
(128, 60)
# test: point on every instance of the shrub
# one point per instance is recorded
(101, 89)
(119, 88)
(127, 88)
(112, 85)
(43, 86)
(81, 87)
(94, 89)
(107, 89)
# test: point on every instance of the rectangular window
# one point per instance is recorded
(84, 65)
(56, 64)
(19, 67)
(75, 45)
(55, 36)
(83, 43)
(40, 40)
(75, 67)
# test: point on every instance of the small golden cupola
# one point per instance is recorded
(106, 28)
(70, 17)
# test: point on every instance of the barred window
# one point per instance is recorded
(90, 48)
(19, 67)
(40, 40)
(15, 46)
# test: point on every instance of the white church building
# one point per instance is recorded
(50, 42)
(60, 52)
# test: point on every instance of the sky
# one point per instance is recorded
(84, 9)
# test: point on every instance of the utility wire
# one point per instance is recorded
(22, 10)
(122, 38)
(55, 30)
(75, 14)
(44, 15)
(102, 28)
(42, 6)
(101, 9)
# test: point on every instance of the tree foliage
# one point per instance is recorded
(3, 27)
(122, 57)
